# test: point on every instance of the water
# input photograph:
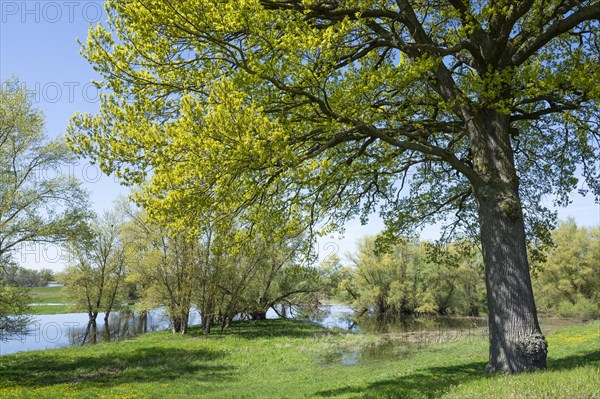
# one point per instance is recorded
(392, 337)
(68, 329)
(344, 317)
(382, 350)
(335, 316)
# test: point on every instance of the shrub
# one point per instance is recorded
(583, 309)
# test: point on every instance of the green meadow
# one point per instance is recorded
(41, 296)
(298, 359)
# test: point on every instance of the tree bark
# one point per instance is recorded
(94, 336)
(87, 332)
(185, 318)
(175, 325)
(106, 330)
(259, 315)
(207, 322)
(179, 318)
(516, 342)
(143, 322)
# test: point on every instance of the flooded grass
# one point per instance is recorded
(373, 348)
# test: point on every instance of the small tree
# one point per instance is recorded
(37, 204)
(386, 281)
(165, 265)
(13, 305)
(94, 279)
(281, 277)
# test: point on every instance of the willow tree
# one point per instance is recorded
(94, 277)
(462, 111)
(40, 201)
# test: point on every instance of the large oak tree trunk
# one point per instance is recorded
(516, 342)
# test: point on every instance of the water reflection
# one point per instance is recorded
(333, 316)
(344, 317)
(71, 329)
(385, 350)
(394, 337)
(428, 326)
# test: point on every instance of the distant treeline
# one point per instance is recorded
(17, 276)
(567, 284)
(418, 278)
(413, 278)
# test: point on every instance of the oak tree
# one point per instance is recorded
(466, 111)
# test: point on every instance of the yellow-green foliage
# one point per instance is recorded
(568, 282)
(93, 281)
(34, 205)
(320, 109)
(416, 277)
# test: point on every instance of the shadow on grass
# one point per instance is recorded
(267, 329)
(431, 382)
(570, 362)
(423, 383)
(113, 368)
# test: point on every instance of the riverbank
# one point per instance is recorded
(292, 358)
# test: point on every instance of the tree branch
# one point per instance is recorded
(559, 27)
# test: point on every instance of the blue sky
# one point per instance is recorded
(38, 45)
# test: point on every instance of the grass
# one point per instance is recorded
(50, 309)
(46, 295)
(47, 290)
(296, 359)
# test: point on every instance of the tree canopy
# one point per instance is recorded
(40, 201)
(343, 103)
